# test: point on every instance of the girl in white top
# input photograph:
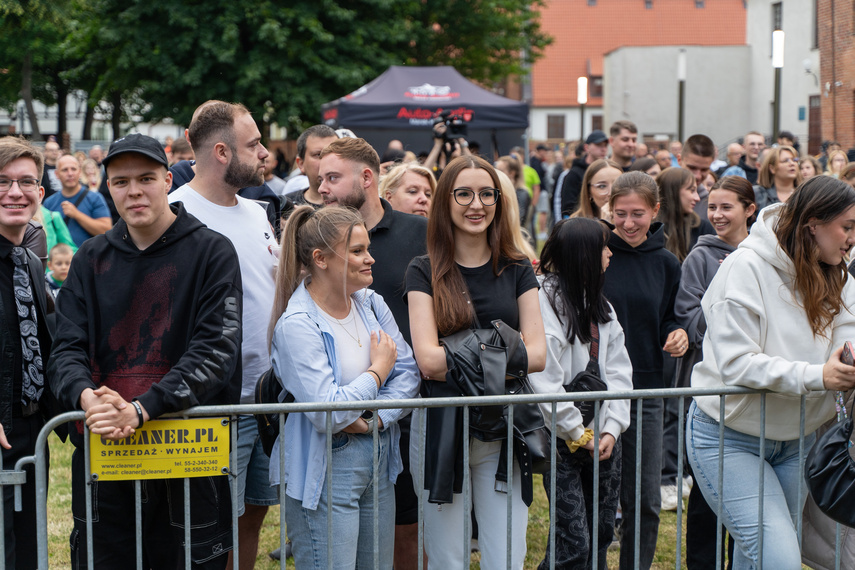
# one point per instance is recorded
(572, 264)
(777, 313)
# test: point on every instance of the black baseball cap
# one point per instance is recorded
(142, 144)
(542, 147)
(596, 137)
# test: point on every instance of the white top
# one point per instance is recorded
(248, 229)
(349, 332)
(758, 336)
(564, 360)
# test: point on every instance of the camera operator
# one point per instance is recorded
(444, 148)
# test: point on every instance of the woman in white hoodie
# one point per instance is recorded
(572, 265)
(777, 317)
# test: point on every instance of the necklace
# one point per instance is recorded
(356, 325)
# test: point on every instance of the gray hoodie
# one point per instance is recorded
(699, 268)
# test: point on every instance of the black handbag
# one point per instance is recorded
(589, 379)
(267, 391)
(830, 473)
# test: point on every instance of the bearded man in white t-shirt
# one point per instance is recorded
(230, 156)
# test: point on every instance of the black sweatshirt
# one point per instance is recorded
(161, 325)
(642, 284)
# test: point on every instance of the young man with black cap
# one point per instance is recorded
(148, 322)
(596, 147)
(24, 340)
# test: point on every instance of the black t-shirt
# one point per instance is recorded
(395, 241)
(494, 296)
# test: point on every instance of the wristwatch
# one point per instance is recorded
(371, 419)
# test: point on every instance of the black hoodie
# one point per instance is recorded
(572, 186)
(161, 325)
(641, 284)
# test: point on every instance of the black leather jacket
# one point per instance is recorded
(479, 361)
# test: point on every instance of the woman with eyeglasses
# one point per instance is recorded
(472, 275)
(596, 189)
(779, 176)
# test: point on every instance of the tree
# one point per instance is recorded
(284, 58)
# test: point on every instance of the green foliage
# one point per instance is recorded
(281, 58)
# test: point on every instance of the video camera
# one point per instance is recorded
(456, 126)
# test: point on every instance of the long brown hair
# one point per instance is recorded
(773, 156)
(820, 285)
(306, 231)
(451, 310)
(678, 224)
(586, 207)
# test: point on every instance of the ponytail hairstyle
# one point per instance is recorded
(572, 266)
(451, 310)
(744, 192)
(305, 231)
(820, 285)
(678, 224)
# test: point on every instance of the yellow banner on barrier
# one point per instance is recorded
(164, 449)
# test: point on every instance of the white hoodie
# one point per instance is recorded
(565, 360)
(758, 336)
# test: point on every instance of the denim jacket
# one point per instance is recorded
(305, 358)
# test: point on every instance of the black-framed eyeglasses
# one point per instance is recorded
(465, 196)
(25, 184)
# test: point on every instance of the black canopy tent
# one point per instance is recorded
(401, 103)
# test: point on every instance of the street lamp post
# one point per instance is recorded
(777, 63)
(681, 81)
(582, 99)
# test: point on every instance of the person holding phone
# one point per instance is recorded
(777, 317)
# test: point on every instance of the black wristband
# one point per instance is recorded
(138, 408)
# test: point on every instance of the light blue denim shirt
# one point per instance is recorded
(305, 358)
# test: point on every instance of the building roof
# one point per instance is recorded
(584, 31)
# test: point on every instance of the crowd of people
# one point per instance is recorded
(177, 276)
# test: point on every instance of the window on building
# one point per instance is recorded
(592, 2)
(648, 4)
(595, 86)
(699, 3)
(555, 127)
(777, 15)
(596, 122)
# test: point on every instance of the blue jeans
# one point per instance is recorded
(353, 510)
(253, 468)
(782, 480)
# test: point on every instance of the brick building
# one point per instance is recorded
(836, 35)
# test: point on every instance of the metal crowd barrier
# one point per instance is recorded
(16, 477)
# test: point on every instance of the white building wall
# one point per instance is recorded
(640, 85)
(538, 121)
(798, 22)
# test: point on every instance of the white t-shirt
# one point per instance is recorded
(349, 332)
(247, 227)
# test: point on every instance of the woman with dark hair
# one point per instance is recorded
(678, 193)
(641, 284)
(572, 265)
(647, 166)
(473, 274)
(777, 317)
(335, 340)
(779, 176)
(596, 189)
(731, 210)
